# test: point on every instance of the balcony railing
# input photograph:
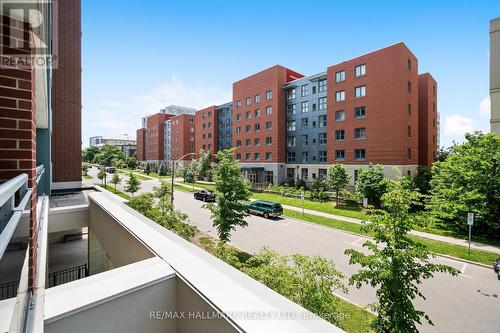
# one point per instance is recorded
(68, 275)
(8, 289)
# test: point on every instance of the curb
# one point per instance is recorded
(463, 260)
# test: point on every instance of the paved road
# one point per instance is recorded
(467, 303)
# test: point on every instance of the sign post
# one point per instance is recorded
(365, 202)
(302, 197)
(470, 223)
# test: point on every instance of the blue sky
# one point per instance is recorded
(139, 56)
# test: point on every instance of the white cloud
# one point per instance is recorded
(455, 126)
(485, 107)
(115, 118)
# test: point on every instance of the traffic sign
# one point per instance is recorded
(470, 218)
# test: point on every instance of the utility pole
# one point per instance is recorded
(173, 175)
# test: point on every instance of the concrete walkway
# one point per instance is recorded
(444, 239)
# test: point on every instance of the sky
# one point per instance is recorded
(140, 56)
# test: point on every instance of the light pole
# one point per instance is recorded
(105, 173)
(173, 175)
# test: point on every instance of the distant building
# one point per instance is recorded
(126, 144)
(495, 75)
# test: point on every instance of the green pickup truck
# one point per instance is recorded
(265, 208)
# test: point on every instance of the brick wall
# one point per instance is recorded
(66, 95)
(206, 130)
(183, 137)
(141, 144)
(427, 119)
(155, 136)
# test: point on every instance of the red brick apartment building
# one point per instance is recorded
(141, 144)
(155, 137)
(183, 137)
(205, 124)
(428, 117)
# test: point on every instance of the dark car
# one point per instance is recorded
(205, 195)
(110, 170)
(265, 208)
(496, 267)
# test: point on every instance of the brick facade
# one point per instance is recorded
(183, 136)
(155, 136)
(427, 119)
(140, 152)
(206, 130)
(66, 95)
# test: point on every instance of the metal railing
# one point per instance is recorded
(8, 289)
(68, 275)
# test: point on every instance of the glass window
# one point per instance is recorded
(269, 126)
(248, 142)
(340, 115)
(269, 110)
(305, 157)
(257, 99)
(340, 96)
(409, 64)
(322, 85)
(304, 123)
(360, 70)
(238, 130)
(256, 113)
(408, 153)
(291, 141)
(247, 156)
(248, 128)
(291, 125)
(248, 115)
(340, 135)
(305, 140)
(359, 133)
(322, 138)
(314, 89)
(322, 156)
(238, 156)
(409, 109)
(256, 142)
(249, 101)
(238, 143)
(238, 104)
(322, 103)
(359, 112)
(269, 94)
(269, 156)
(322, 121)
(322, 172)
(290, 157)
(291, 109)
(304, 107)
(291, 94)
(304, 90)
(269, 140)
(256, 127)
(409, 87)
(360, 91)
(256, 156)
(408, 131)
(340, 155)
(359, 154)
(238, 116)
(340, 76)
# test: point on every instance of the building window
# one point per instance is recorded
(433, 122)
(434, 106)
(322, 121)
(269, 126)
(209, 125)
(291, 109)
(256, 156)
(340, 76)
(408, 131)
(408, 154)
(203, 136)
(291, 125)
(322, 173)
(256, 127)
(238, 156)
(304, 123)
(238, 143)
(269, 156)
(269, 110)
(269, 94)
(304, 90)
(305, 140)
(305, 157)
(209, 135)
(249, 101)
(359, 154)
(248, 114)
(322, 103)
(314, 107)
(360, 91)
(269, 140)
(360, 70)
(340, 115)
(257, 99)
(322, 156)
(247, 156)
(256, 113)
(248, 128)
(409, 109)
(256, 142)
(359, 112)
(340, 155)
(290, 157)
(291, 94)
(409, 64)
(409, 87)
(322, 138)
(238, 116)
(304, 107)
(204, 126)
(238, 103)
(360, 133)
(340, 96)
(322, 85)
(291, 141)
(340, 135)
(314, 90)
(248, 142)
(433, 139)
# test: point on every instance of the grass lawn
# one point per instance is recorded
(87, 177)
(136, 174)
(457, 251)
(440, 230)
(117, 192)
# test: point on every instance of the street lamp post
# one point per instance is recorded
(173, 175)
(105, 173)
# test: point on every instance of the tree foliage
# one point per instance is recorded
(204, 166)
(133, 184)
(422, 181)
(115, 180)
(190, 173)
(132, 162)
(318, 189)
(231, 191)
(102, 174)
(397, 264)
(468, 180)
(109, 155)
(337, 179)
(163, 193)
(147, 169)
(89, 153)
(85, 168)
(370, 183)
(162, 170)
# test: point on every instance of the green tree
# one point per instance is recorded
(85, 168)
(469, 181)
(147, 169)
(163, 193)
(115, 180)
(89, 153)
(337, 179)
(132, 162)
(370, 183)
(101, 175)
(318, 189)
(162, 170)
(108, 154)
(232, 191)
(203, 165)
(191, 172)
(133, 184)
(397, 264)
(306, 280)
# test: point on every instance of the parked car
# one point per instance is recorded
(496, 267)
(110, 170)
(205, 195)
(265, 208)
